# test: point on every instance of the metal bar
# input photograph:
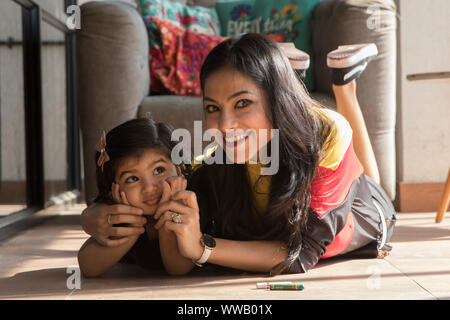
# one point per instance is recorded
(12, 43)
(428, 76)
(46, 16)
(33, 106)
(26, 3)
(0, 136)
(55, 22)
(73, 117)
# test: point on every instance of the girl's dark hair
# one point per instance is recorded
(301, 140)
(130, 139)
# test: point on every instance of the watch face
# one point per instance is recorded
(208, 240)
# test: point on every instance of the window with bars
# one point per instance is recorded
(40, 148)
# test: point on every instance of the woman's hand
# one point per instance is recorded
(121, 197)
(170, 186)
(187, 231)
(174, 262)
(97, 220)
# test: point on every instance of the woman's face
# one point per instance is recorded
(141, 178)
(232, 101)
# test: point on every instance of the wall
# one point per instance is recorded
(423, 106)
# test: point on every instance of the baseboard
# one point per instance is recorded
(418, 197)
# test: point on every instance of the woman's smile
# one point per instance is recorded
(235, 140)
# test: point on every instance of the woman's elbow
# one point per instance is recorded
(178, 271)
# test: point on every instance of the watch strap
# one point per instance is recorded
(205, 256)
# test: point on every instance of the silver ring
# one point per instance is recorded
(175, 217)
(109, 219)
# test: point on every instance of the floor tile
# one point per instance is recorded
(34, 265)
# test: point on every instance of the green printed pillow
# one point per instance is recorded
(290, 17)
(196, 18)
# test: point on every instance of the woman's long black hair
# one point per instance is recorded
(127, 140)
(224, 193)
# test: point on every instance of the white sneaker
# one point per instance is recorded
(299, 60)
(349, 61)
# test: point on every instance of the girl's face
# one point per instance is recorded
(232, 101)
(141, 177)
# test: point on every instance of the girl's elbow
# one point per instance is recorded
(87, 273)
(85, 270)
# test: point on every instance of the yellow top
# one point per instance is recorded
(336, 144)
(260, 187)
(337, 141)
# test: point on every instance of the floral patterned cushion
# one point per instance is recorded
(193, 18)
(176, 66)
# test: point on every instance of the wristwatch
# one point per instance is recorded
(209, 243)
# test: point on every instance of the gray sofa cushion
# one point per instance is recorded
(178, 111)
(113, 73)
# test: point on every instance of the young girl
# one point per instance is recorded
(134, 168)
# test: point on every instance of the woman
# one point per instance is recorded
(319, 204)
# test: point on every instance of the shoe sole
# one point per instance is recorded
(350, 56)
(299, 60)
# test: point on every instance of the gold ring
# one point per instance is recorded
(109, 219)
(175, 217)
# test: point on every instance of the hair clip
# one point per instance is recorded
(101, 147)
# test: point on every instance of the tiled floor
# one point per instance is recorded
(34, 265)
(8, 209)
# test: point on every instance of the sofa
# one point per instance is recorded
(114, 81)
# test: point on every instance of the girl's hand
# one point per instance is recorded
(176, 183)
(188, 231)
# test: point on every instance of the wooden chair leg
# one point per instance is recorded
(445, 200)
